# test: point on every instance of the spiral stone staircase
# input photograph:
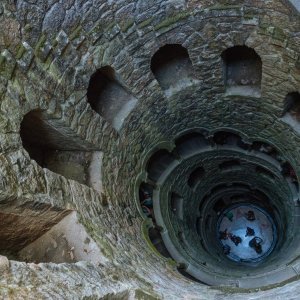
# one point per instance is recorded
(149, 149)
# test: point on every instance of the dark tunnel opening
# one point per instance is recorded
(244, 197)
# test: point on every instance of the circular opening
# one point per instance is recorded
(234, 222)
(246, 233)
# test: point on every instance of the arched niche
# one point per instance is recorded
(242, 68)
(38, 232)
(230, 164)
(108, 97)
(65, 242)
(53, 148)
(190, 142)
(158, 164)
(265, 172)
(176, 202)
(157, 242)
(195, 177)
(291, 110)
(172, 68)
(146, 199)
(23, 221)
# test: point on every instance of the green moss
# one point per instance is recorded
(249, 16)
(2, 60)
(224, 7)
(279, 34)
(6, 68)
(141, 295)
(76, 33)
(126, 25)
(142, 280)
(105, 247)
(266, 29)
(146, 22)
(55, 73)
(21, 50)
(54, 43)
(145, 227)
(172, 262)
(110, 26)
(48, 62)
(40, 43)
(171, 20)
(147, 223)
(28, 28)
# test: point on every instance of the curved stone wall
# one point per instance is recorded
(49, 52)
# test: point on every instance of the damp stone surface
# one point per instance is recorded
(130, 129)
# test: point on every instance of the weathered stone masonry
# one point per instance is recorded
(49, 51)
